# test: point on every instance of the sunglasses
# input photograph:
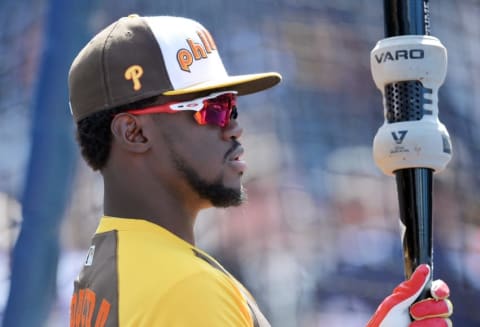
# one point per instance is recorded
(215, 109)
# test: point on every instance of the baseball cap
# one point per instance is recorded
(140, 57)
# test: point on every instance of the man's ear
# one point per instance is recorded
(127, 132)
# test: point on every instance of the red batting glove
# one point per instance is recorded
(397, 309)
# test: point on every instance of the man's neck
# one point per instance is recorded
(167, 208)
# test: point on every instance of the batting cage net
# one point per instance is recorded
(318, 242)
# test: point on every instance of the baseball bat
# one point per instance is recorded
(408, 67)
(414, 185)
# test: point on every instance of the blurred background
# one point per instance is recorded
(318, 243)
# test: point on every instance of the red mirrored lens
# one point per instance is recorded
(217, 111)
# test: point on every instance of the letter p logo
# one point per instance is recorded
(134, 73)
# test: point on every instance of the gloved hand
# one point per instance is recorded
(396, 309)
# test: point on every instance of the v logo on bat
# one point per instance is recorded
(399, 136)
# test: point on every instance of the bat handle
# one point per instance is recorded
(414, 188)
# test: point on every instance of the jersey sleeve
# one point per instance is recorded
(201, 300)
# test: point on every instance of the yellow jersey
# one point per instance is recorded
(138, 274)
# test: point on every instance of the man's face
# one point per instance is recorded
(206, 157)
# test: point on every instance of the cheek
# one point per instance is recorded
(207, 159)
(160, 162)
(201, 148)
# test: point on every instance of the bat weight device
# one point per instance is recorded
(409, 70)
(408, 67)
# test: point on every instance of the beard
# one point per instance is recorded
(219, 195)
(216, 192)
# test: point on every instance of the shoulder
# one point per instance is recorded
(201, 299)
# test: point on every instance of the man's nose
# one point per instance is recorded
(232, 131)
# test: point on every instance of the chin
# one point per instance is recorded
(229, 197)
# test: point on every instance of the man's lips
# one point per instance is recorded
(234, 152)
(233, 158)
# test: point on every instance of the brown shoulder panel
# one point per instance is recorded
(95, 297)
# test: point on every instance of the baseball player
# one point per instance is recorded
(156, 114)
